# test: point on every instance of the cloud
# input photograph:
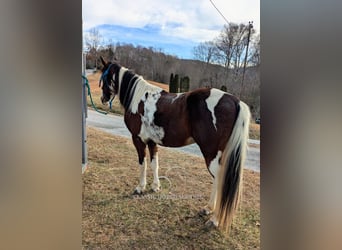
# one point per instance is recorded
(195, 19)
(172, 25)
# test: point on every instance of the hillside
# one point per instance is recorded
(158, 67)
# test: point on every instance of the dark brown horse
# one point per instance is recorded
(217, 121)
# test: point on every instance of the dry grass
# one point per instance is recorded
(164, 86)
(113, 218)
(254, 131)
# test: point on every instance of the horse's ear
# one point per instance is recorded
(103, 61)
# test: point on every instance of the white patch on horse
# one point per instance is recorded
(176, 97)
(155, 167)
(149, 130)
(121, 74)
(212, 101)
(214, 164)
(214, 169)
(142, 183)
(141, 88)
(111, 86)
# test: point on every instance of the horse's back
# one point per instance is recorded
(212, 103)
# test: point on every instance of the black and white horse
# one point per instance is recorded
(217, 121)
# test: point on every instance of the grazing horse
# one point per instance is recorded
(217, 121)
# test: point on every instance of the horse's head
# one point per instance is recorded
(109, 80)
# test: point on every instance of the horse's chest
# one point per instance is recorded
(149, 130)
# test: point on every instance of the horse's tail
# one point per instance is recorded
(229, 188)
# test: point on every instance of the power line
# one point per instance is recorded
(219, 12)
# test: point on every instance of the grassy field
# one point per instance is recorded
(254, 131)
(114, 218)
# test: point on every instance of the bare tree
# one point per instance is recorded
(225, 44)
(92, 41)
(254, 55)
(232, 43)
(240, 43)
(205, 52)
(111, 50)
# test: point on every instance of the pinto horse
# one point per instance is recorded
(217, 121)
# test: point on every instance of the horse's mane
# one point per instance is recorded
(132, 88)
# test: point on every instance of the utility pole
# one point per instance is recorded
(250, 26)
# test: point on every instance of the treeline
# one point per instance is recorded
(151, 63)
(218, 63)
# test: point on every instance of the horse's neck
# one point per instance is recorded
(141, 88)
(121, 74)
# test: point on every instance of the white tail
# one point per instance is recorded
(229, 188)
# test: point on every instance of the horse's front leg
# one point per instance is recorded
(141, 149)
(154, 165)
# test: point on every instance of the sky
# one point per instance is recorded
(174, 26)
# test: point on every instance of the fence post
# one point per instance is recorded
(84, 116)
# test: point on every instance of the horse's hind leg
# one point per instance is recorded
(212, 201)
(154, 165)
(213, 167)
(141, 149)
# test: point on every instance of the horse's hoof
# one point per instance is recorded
(205, 212)
(155, 187)
(138, 190)
(156, 190)
(210, 224)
